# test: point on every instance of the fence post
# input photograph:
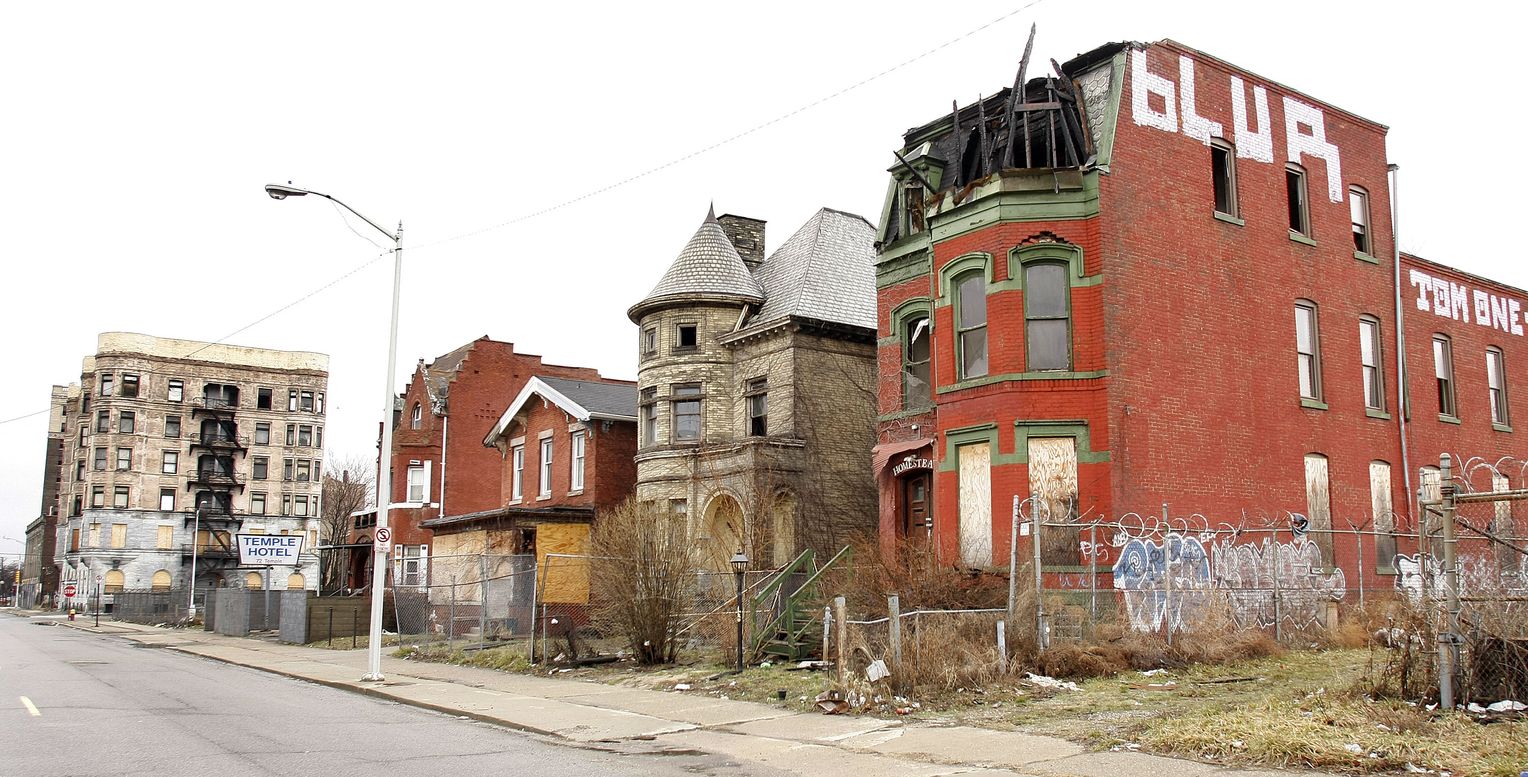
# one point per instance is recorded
(1002, 649)
(1093, 573)
(1042, 639)
(451, 624)
(841, 614)
(1278, 613)
(482, 597)
(535, 591)
(1360, 537)
(1448, 640)
(827, 631)
(1013, 558)
(894, 636)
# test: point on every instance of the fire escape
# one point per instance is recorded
(214, 478)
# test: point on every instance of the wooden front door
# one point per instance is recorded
(915, 505)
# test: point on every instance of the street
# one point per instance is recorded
(80, 704)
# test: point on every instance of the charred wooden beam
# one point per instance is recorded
(1073, 120)
(960, 146)
(928, 187)
(982, 148)
(1016, 96)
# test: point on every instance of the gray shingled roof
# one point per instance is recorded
(708, 267)
(600, 399)
(825, 271)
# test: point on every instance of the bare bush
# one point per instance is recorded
(641, 581)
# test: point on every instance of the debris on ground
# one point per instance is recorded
(1044, 681)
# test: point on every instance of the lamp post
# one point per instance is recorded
(739, 569)
(385, 476)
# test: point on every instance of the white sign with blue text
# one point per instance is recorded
(266, 550)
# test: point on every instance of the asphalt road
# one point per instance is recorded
(80, 704)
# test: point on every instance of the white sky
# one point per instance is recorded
(137, 137)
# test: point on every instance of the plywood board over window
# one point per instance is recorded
(1053, 481)
(567, 579)
(1318, 504)
(1384, 514)
(975, 504)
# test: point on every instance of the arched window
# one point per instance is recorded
(916, 387)
(418, 416)
(162, 580)
(296, 582)
(252, 581)
(971, 323)
(1047, 316)
(114, 581)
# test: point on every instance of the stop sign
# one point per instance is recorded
(69, 589)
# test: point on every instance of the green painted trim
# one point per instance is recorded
(1299, 238)
(1313, 404)
(1111, 122)
(1077, 430)
(904, 272)
(987, 380)
(1229, 219)
(1372, 413)
(902, 312)
(991, 204)
(1018, 256)
(1386, 571)
(882, 342)
(1448, 419)
(1501, 427)
(959, 266)
(1070, 568)
(969, 435)
(909, 244)
(1363, 257)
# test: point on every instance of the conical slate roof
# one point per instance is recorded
(825, 271)
(708, 268)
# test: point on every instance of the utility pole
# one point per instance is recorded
(1448, 640)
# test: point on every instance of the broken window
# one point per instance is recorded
(915, 364)
(417, 418)
(1223, 176)
(217, 395)
(688, 337)
(306, 401)
(263, 399)
(129, 384)
(177, 391)
(971, 323)
(757, 393)
(1358, 204)
(912, 208)
(1298, 200)
(1047, 316)
(649, 342)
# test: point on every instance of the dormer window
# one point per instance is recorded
(418, 416)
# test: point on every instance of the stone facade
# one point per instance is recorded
(174, 445)
(756, 419)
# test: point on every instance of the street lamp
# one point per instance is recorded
(385, 480)
(739, 569)
(196, 531)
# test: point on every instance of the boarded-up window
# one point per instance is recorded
(119, 535)
(166, 538)
(1318, 504)
(252, 581)
(1053, 481)
(115, 581)
(162, 578)
(975, 504)
(567, 579)
(296, 582)
(1384, 514)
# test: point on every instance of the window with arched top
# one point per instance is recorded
(971, 323)
(114, 582)
(1047, 316)
(296, 582)
(418, 416)
(162, 580)
(916, 349)
(252, 581)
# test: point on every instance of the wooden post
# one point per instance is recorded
(894, 636)
(1002, 648)
(841, 615)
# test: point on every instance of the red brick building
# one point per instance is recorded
(1163, 280)
(440, 466)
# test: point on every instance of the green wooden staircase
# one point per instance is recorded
(787, 624)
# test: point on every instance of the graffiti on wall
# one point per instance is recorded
(1304, 124)
(1172, 583)
(1459, 302)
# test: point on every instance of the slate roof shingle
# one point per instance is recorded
(708, 266)
(599, 398)
(825, 271)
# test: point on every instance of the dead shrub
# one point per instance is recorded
(641, 577)
(917, 575)
(1077, 662)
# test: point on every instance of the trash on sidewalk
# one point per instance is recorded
(681, 686)
(877, 671)
(1045, 681)
(831, 702)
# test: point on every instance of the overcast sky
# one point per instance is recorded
(137, 138)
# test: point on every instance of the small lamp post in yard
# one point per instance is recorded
(385, 475)
(739, 570)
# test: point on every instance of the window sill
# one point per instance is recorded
(1363, 257)
(576, 492)
(1313, 404)
(1372, 413)
(1390, 571)
(1501, 427)
(1299, 238)
(543, 497)
(1229, 219)
(1021, 376)
(1448, 419)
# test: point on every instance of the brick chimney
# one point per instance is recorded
(746, 235)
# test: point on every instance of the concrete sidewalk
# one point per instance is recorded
(592, 714)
